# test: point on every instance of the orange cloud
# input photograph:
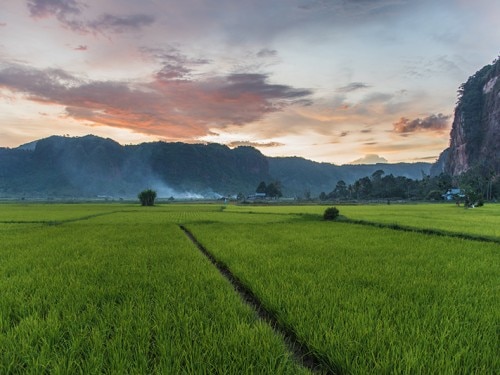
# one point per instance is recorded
(437, 122)
(163, 107)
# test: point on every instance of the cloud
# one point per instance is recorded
(433, 122)
(175, 65)
(353, 9)
(120, 24)
(65, 11)
(61, 9)
(353, 86)
(267, 53)
(370, 159)
(375, 104)
(170, 109)
(427, 158)
(240, 83)
(69, 13)
(254, 144)
(423, 68)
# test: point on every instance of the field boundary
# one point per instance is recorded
(305, 356)
(60, 222)
(428, 231)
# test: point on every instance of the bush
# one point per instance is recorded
(331, 213)
(147, 197)
(434, 195)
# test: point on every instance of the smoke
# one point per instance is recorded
(164, 191)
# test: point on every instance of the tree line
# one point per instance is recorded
(476, 186)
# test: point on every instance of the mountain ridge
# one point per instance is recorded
(88, 166)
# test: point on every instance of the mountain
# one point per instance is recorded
(299, 175)
(475, 133)
(92, 166)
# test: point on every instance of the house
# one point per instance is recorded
(256, 196)
(452, 193)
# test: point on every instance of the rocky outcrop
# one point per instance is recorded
(475, 134)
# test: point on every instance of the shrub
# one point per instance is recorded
(331, 213)
(147, 197)
(434, 195)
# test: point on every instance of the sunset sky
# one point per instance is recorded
(329, 80)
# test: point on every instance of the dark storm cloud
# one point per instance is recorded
(437, 122)
(161, 107)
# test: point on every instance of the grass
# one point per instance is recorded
(372, 300)
(85, 298)
(447, 218)
(119, 288)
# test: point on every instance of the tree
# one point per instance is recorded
(377, 175)
(340, 190)
(147, 197)
(273, 190)
(261, 188)
(363, 188)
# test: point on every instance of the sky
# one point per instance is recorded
(336, 81)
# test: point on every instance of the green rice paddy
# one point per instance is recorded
(118, 288)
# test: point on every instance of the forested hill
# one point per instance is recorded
(475, 134)
(92, 166)
(299, 176)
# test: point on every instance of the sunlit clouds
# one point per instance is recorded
(437, 123)
(166, 106)
(332, 81)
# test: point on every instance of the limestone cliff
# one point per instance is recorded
(475, 134)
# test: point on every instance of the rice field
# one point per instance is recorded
(118, 288)
(446, 218)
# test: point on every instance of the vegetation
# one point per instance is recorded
(271, 190)
(147, 197)
(356, 294)
(474, 135)
(331, 213)
(470, 104)
(444, 218)
(117, 289)
(380, 186)
(134, 297)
